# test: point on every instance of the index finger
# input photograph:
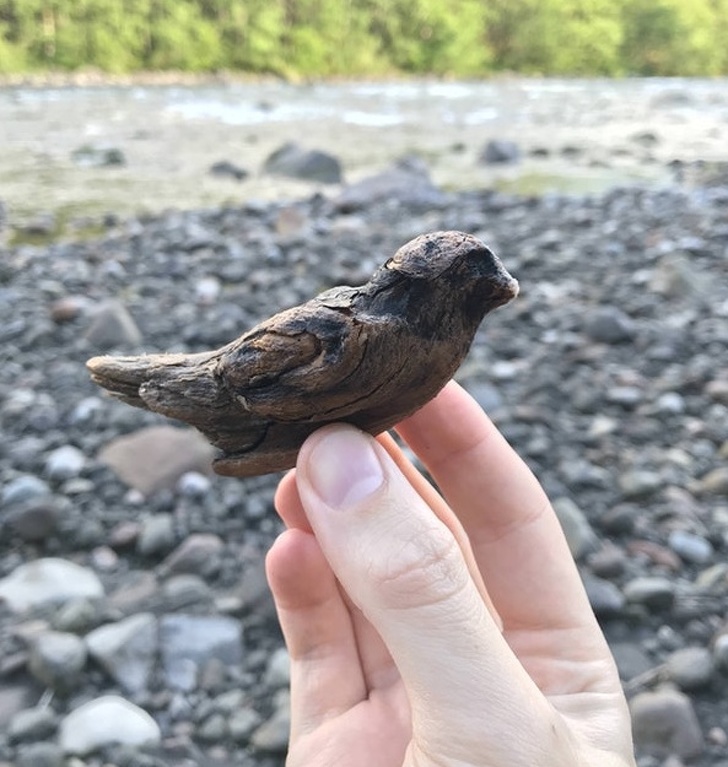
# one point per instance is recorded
(515, 535)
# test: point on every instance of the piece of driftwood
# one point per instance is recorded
(369, 355)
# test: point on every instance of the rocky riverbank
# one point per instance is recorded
(134, 605)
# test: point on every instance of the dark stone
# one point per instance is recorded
(500, 152)
(308, 165)
(227, 169)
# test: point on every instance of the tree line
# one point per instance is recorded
(319, 38)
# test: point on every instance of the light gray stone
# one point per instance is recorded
(610, 325)
(65, 462)
(639, 484)
(57, 659)
(48, 581)
(664, 723)
(24, 488)
(156, 535)
(42, 754)
(579, 533)
(113, 327)
(691, 668)
(32, 724)
(189, 641)
(198, 553)
(690, 547)
(127, 650)
(652, 591)
(278, 670)
(272, 735)
(106, 721)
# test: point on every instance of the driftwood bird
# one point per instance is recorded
(368, 355)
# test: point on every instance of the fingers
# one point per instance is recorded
(516, 537)
(404, 569)
(318, 632)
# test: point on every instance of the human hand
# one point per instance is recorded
(423, 633)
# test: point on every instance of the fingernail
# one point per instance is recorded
(343, 467)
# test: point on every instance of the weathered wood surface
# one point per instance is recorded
(369, 355)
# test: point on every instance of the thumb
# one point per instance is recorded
(404, 569)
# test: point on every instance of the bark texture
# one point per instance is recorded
(369, 355)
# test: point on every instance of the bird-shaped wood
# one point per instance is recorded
(368, 355)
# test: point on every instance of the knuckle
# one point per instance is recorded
(425, 568)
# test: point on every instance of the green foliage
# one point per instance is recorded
(310, 38)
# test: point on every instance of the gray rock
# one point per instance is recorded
(194, 484)
(610, 325)
(691, 668)
(500, 152)
(189, 641)
(242, 723)
(631, 659)
(77, 616)
(278, 670)
(198, 553)
(214, 729)
(112, 327)
(127, 650)
(57, 660)
(720, 652)
(106, 721)
(272, 735)
(182, 591)
(156, 457)
(409, 186)
(654, 592)
(715, 482)
(604, 597)
(639, 484)
(308, 165)
(227, 169)
(690, 547)
(24, 488)
(15, 698)
(579, 533)
(156, 535)
(664, 723)
(36, 519)
(48, 581)
(41, 754)
(32, 724)
(65, 462)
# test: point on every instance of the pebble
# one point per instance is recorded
(691, 668)
(36, 519)
(604, 597)
(194, 484)
(113, 327)
(610, 325)
(198, 553)
(278, 669)
(42, 754)
(105, 721)
(155, 457)
(57, 659)
(48, 581)
(720, 652)
(272, 735)
(715, 482)
(579, 533)
(156, 535)
(65, 462)
(188, 641)
(639, 484)
(664, 723)
(690, 547)
(654, 592)
(127, 650)
(32, 724)
(24, 488)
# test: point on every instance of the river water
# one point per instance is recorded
(574, 135)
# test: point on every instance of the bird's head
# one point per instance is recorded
(468, 277)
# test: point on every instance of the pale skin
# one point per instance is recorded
(436, 631)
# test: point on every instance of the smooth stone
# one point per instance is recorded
(604, 597)
(610, 325)
(715, 482)
(24, 488)
(113, 327)
(654, 592)
(36, 519)
(42, 754)
(156, 535)
(308, 165)
(278, 669)
(690, 547)
(15, 698)
(272, 736)
(227, 169)
(65, 462)
(32, 724)
(90, 156)
(664, 723)
(639, 484)
(185, 590)
(242, 723)
(57, 659)
(106, 721)
(500, 152)
(48, 581)
(214, 729)
(691, 668)
(578, 531)
(631, 660)
(187, 642)
(155, 457)
(194, 484)
(720, 652)
(207, 290)
(198, 553)
(127, 650)
(77, 616)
